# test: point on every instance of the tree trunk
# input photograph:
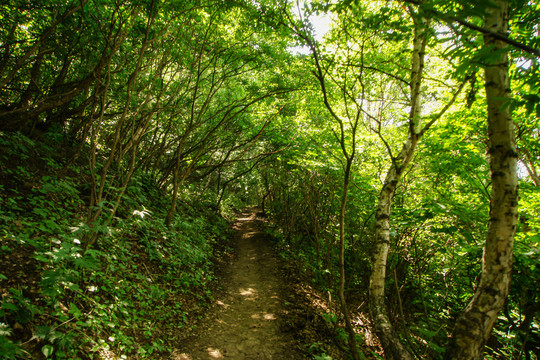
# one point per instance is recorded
(393, 348)
(342, 299)
(474, 325)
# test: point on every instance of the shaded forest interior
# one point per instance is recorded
(386, 157)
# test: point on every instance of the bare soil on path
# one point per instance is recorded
(249, 322)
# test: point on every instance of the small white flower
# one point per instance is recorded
(77, 241)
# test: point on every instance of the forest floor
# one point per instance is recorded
(258, 315)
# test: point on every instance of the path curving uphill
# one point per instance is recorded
(249, 322)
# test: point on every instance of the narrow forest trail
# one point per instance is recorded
(248, 323)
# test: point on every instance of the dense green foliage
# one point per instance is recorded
(129, 130)
(440, 216)
(133, 294)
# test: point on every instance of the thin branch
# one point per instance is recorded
(445, 108)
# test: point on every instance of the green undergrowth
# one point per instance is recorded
(133, 294)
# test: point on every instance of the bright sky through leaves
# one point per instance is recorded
(321, 25)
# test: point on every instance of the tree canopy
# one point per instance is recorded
(388, 155)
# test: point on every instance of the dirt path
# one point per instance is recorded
(249, 322)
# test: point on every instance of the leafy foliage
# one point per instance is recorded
(128, 130)
(143, 281)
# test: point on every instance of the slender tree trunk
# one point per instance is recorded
(343, 301)
(390, 341)
(474, 325)
(383, 327)
(349, 157)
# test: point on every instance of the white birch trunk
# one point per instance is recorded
(391, 343)
(474, 325)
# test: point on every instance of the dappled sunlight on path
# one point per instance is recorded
(248, 322)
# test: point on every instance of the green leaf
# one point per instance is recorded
(10, 306)
(42, 258)
(47, 350)
(73, 309)
(5, 330)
